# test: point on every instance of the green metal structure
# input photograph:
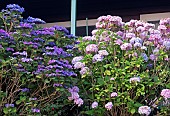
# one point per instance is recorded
(73, 16)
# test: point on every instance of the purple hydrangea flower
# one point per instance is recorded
(94, 105)
(1, 46)
(3, 33)
(70, 36)
(9, 105)
(78, 101)
(10, 49)
(39, 39)
(109, 105)
(33, 99)
(57, 85)
(26, 25)
(152, 57)
(26, 60)
(69, 47)
(24, 53)
(25, 90)
(35, 110)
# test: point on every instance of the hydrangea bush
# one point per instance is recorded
(35, 70)
(124, 68)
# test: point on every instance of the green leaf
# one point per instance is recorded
(18, 102)
(5, 110)
(107, 72)
(132, 111)
(38, 76)
(23, 98)
(100, 81)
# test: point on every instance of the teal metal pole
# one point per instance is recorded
(87, 30)
(73, 16)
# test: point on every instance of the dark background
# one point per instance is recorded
(59, 10)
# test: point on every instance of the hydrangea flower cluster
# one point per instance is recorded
(109, 105)
(145, 110)
(94, 105)
(108, 22)
(165, 93)
(15, 7)
(75, 96)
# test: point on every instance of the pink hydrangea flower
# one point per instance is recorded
(112, 79)
(88, 38)
(94, 32)
(97, 58)
(165, 93)
(78, 65)
(114, 94)
(91, 48)
(103, 52)
(73, 89)
(84, 70)
(134, 79)
(126, 46)
(74, 95)
(94, 105)
(78, 101)
(145, 110)
(130, 35)
(162, 27)
(140, 29)
(109, 106)
(76, 59)
(118, 41)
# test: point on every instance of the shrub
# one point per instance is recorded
(124, 68)
(35, 69)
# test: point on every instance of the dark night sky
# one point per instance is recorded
(59, 10)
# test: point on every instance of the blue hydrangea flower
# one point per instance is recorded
(35, 20)
(15, 7)
(144, 56)
(166, 44)
(60, 28)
